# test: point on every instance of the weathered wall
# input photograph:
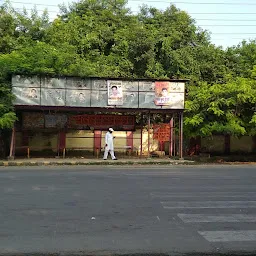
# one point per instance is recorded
(213, 144)
(216, 144)
(38, 141)
(80, 139)
(84, 139)
(243, 144)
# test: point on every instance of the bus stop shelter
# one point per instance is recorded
(60, 104)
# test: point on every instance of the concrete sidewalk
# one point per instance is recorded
(92, 161)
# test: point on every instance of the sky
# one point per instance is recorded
(228, 21)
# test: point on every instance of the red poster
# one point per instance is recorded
(161, 132)
(162, 93)
(102, 122)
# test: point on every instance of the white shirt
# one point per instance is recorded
(109, 141)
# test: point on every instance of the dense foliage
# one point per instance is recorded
(103, 38)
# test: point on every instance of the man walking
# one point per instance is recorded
(109, 145)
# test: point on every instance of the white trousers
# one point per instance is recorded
(111, 153)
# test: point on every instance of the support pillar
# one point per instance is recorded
(25, 142)
(62, 141)
(25, 138)
(129, 142)
(141, 136)
(171, 138)
(97, 143)
(181, 135)
(174, 138)
(141, 141)
(149, 135)
(12, 145)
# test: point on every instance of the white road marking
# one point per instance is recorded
(204, 188)
(200, 218)
(158, 218)
(150, 173)
(229, 236)
(203, 195)
(208, 204)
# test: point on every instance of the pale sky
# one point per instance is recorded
(229, 21)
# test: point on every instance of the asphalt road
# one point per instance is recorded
(127, 210)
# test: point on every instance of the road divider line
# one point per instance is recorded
(208, 204)
(229, 236)
(206, 218)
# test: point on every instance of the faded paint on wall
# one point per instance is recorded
(41, 140)
(243, 144)
(18, 139)
(213, 144)
(137, 140)
(80, 139)
(84, 139)
(153, 143)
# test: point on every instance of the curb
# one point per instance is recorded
(105, 163)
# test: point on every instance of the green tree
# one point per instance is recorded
(103, 38)
(7, 29)
(222, 108)
(241, 59)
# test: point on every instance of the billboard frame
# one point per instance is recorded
(58, 91)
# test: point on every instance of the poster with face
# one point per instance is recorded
(162, 94)
(26, 96)
(115, 93)
(78, 98)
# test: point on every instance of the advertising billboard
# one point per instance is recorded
(98, 93)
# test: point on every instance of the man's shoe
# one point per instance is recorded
(104, 159)
(115, 159)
